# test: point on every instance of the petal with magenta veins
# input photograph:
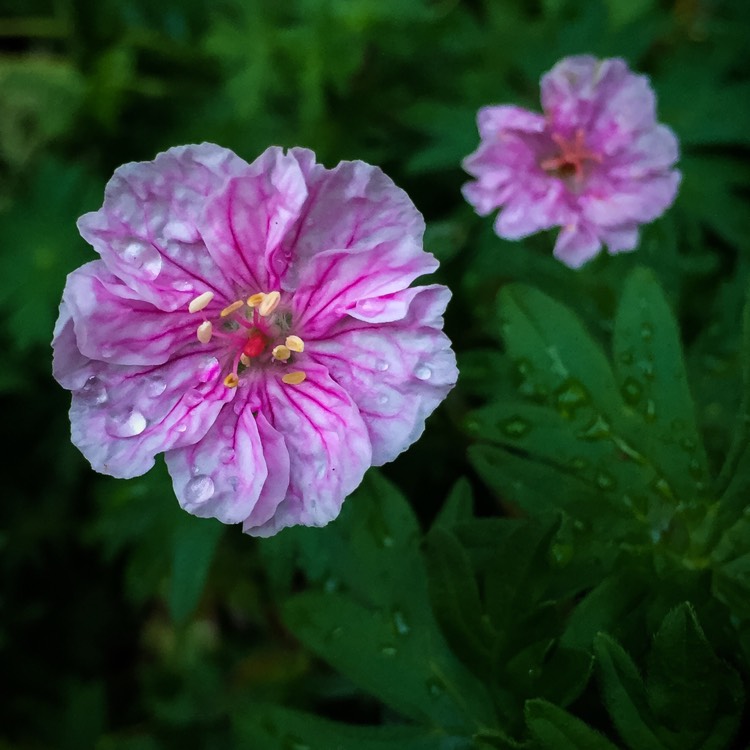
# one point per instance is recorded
(113, 324)
(328, 445)
(337, 279)
(396, 372)
(147, 231)
(576, 244)
(223, 475)
(123, 415)
(355, 207)
(244, 224)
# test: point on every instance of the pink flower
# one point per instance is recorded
(255, 323)
(596, 163)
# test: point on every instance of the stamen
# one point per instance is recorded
(231, 380)
(205, 331)
(245, 360)
(201, 301)
(295, 344)
(255, 299)
(281, 352)
(229, 309)
(294, 378)
(269, 304)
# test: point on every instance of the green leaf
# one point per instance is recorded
(375, 623)
(651, 374)
(694, 695)
(556, 729)
(557, 357)
(193, 547)
(458, 506)
(406, 663)
(265, 727)
(456, 601)
(625, 696)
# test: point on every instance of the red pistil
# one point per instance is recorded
(255, 344)
(573, 156)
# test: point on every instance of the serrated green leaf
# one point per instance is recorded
(651, 374)
(556, 729)
(695, 696)
(625, 695)
(267, 727)
(193, 547)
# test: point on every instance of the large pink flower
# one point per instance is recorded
(255, 323)
(596, 163)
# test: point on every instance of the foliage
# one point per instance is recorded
(560, 563)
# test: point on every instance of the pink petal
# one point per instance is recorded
(335, 280)
(148, 232)
(113, 324)
(245, 223)
(223, 475)
(397, 372)
(123, 415)
(576, 244)
(354, 207)
(493, 120)
(329, 448)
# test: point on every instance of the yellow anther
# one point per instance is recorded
(293, 378)
(255, 299)
(269, 304)
(201, 301)
(205, 331)
(229, 309)
(231, 380)
(295, 344)
(245, 360)
(281, 352)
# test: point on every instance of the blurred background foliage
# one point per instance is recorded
(126, 624)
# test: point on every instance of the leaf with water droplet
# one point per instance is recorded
(651, 372)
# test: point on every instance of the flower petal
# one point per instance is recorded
(329, 448)
(397, 372)
(354, 207)
(147, 231)
(113, 324)
(576, 244)
(492, 121)
(245, 224)
(122, 416)
(222, 475)
(336, 280)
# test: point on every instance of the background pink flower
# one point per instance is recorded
(596, 163)
(255, 323)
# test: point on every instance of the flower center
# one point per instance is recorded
(572, 159)
(257, 332)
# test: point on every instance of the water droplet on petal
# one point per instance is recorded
(93, 392)
(381, 365)
(142, 256)
(155, 386)
(321, 468)
(227, 455)
(198, 490)
(181, 427)
(208, 369)
(423, 372)
(125, 423)
(382, 399)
